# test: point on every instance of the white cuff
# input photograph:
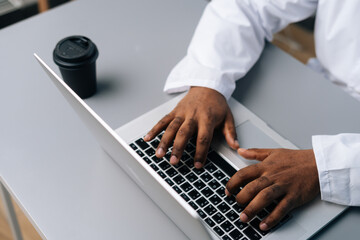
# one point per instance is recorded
(337, 160)
(189, 73)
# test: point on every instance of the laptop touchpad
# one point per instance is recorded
(250, 136)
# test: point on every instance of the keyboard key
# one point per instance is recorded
(168, 180)
(193, 205)
(255, 224)
(219, 175)
(156, 160)
(230, 200)
(177, 189)
(185, 197)
(209, 222)
(198, 171)
(232, 215)
(164, 165)
(223, 207)
(221, 192)
(189, 148)
(184, 170)
(211, 167)
(140, 153)
(202, 202)
(210, 210)
(155, 143)
(224, 181)
(271, 207)
(194, 194)
(240, 225)
(201, 213)
(171, 172)
(160, 135)
(142, 144)
(215, 199)
(180, 164)
(207, 192)
(154, 167)
(226, 237)
(206, 177)
(186, 187)
(218, 218)
(185, 157)
(227, 226)
(214, 184)
(236, 234)
(193, 141)
(252, 234)
(150, 152)
(221, 163)
(189, 163)
(218, 231)
(191, 177)
(133, 146)
(238, 208)
(168, 156)
(161, 174)
(262, 214)
(199, 184)
(179, 179)
(147, 160)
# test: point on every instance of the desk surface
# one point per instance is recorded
(65, 183)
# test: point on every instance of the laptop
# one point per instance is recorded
(194, 199)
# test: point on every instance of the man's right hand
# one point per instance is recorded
(200, 111)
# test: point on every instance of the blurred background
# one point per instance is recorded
(296, 39)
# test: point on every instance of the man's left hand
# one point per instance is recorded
(288, 176)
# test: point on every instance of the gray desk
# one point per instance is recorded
(67, 186)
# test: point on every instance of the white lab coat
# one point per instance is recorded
(228, 41)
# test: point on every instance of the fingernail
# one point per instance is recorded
(227, 193)
(173, 160)
(198, 165)
(147, 137)
(160, 152)
(243, 217)
(241, 150)
(264, 227)
(236, 142)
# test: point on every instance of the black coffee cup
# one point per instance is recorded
(76, 57)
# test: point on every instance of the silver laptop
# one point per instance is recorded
(194, 199)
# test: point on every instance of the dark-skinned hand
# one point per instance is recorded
(198, 113)
(289, 176)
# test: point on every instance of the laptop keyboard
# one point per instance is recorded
(204, 189)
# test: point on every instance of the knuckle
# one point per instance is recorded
(204, 140)
(178, 120)
(267, 196)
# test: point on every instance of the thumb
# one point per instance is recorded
(229, 131)
(254, 153)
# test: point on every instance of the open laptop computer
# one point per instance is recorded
(194, 199)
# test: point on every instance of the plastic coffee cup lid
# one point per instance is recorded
(75, 51)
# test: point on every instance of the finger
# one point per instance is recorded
(168, 137)
(242, 177)
(261, 200)
(255, 153)
(229, 131)
(185, 132)
(159, 127)
(252, 189)
(284, 207)
(203, 142)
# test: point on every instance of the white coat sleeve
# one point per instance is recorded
(338, 163)
(229, 39)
